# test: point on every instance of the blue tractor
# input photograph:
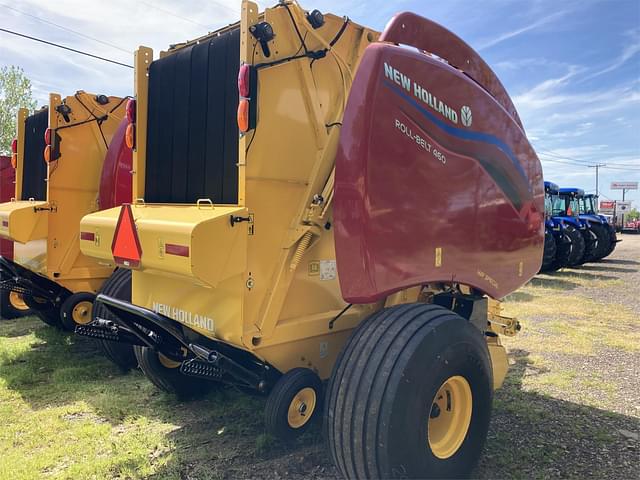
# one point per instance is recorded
(589, 209)
(594, 229)
(564, 243)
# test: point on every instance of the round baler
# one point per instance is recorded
(65, 159)
(319, 203)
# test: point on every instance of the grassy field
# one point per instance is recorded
(570, 407)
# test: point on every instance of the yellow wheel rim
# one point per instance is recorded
(450, 417)
(81, 313)
(301, 407)
(167, 362)
(17, 301)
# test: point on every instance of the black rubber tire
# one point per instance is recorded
(66, 310)
(577, 245)
(8, 311)
(603, 241)
(118, 285)
(549, 254)
(283, 393)
(590, 244)
(613, 240)
(170, 380)
(44, 310)
(380, 393)
(563, 251)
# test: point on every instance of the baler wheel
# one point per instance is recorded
(294, 403)
(410, 396)
(44, 310)
(549, 254)
(76, 310)
(118, 285)
(165, 374)
(13, 305)
(577, 245)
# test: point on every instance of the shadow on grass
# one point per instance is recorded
(222, 435)
(520, 297)
(603, 268)
(619, 261)
(577, 272)
(551, 281)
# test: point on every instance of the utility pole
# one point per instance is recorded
(597, 166)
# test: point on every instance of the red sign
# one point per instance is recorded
(126, 247)
(606, 205)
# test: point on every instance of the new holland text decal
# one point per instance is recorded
(426, 97)
(183, 316)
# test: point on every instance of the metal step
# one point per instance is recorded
(196, 368)
(98, 332)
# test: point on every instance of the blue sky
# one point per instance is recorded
(571, 67)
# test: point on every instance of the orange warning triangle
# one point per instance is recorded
(126, 247)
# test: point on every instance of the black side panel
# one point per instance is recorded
(192, 132)
(34, 171)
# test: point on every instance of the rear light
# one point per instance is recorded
(130, 136)
(14, 145)
(244, 80)
(47, 153)
(47, 136)
(243, 115)
(131, 110)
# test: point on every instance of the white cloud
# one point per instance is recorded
(519, 31)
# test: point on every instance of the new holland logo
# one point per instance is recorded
(466, 116)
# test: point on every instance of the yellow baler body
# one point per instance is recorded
(73, 182)
(268, 284)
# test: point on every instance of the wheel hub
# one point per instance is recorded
(449, 417)
(301, 407)
(81, 313)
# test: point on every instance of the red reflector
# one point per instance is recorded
(14, 145)
(47, 136)
(126, 247)
(90, 236)
(179, 250)
(131, 110)
(243, 80)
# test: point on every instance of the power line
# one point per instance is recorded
(65, 28)
(558, 155)
(173, 14)
(65, 48)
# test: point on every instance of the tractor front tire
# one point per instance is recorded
(549, 254)
(76, 310)
(294, 403)
(577, 245)
(613, 240)
(118, 285)
(410, 396)
(165, 374)
(603, 241)
(590, 245)
(12, 305)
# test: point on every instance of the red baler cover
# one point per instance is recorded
(7, 191)
(435, 178)
(116, 180)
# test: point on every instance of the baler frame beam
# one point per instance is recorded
(19, 279)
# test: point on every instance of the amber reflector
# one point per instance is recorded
(14, 160)
(47, 153)
(243, 115)
(130, 135)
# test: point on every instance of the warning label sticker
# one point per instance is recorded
(328, 270)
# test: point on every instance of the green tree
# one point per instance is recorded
(15, 93)
(632, 214)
